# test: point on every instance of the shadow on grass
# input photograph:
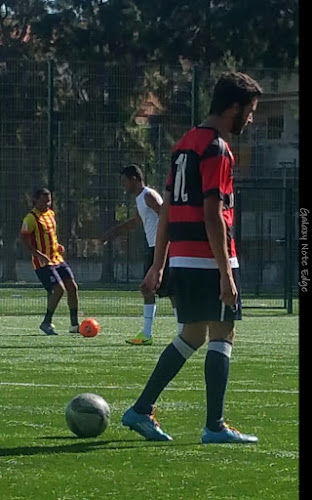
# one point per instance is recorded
(29, 347)
(83, 446)
(23, 335)
(62, 346)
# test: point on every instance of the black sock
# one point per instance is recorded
(217, 366)
(169, 364)
(73, 317)
(48, 317)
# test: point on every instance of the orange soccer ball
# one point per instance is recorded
(89, 327)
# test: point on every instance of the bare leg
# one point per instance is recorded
(53, 299)
(174, 308)
(72, 300)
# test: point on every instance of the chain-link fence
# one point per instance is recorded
(73, 126)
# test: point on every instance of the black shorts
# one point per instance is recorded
(52, 275)
(197, 294)
(165, 289)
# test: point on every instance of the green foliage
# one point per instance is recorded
(260, 34)
(110, 57)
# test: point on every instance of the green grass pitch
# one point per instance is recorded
(41, 460)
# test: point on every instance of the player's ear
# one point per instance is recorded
(235, 108)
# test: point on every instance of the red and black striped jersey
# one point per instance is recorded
(201, 166)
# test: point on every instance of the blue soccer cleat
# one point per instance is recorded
(227, 435)
(145, 425)
(47, 328)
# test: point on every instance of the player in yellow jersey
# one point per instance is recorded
(38, 235)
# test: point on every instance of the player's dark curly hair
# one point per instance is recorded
(231, 88)
(40, 191)
(133, 170)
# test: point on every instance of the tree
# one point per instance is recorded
(110, 55)
(23, 104)
(259, 33)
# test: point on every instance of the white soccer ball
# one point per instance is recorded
(87, 415)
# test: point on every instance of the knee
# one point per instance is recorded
(148, 299)
(232, 335)
(222, 330)
(185, 349)
(195, 342)
(58, 290)
(194, 334)
(71, 286)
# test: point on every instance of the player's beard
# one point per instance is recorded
(238, 124)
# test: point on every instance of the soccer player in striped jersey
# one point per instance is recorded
(197, 219)
(148, 205)
(38, 235)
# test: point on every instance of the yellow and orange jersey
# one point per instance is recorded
(41, 228)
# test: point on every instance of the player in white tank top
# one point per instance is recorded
(149, 216)
(148, 203)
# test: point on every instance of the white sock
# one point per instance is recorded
(180, 325)
(184, 349)
(149, 311)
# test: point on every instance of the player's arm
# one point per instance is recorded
(162, 239)
(213, 168)
(153, 277)
(61, 249)
(26, 241)
(128, 225)
(152, 202)
(216, 233)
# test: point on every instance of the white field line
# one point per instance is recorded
(135, 387)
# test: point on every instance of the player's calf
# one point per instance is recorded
(72, 300)
(217, 365)
(169, 364)
(54, 296)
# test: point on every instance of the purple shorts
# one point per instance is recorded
(52, 275)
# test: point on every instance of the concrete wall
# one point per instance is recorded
(84, 272)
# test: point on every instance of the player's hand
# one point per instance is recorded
(61, 249)
(228, 293)
(152, 280)
(43, 258)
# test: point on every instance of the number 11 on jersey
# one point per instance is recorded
(179, 183)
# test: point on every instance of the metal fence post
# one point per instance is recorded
(195, 96)
(128, 241)
(238, 221)
(51, 125)
(284, 241)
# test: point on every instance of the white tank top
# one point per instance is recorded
(148, 215)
